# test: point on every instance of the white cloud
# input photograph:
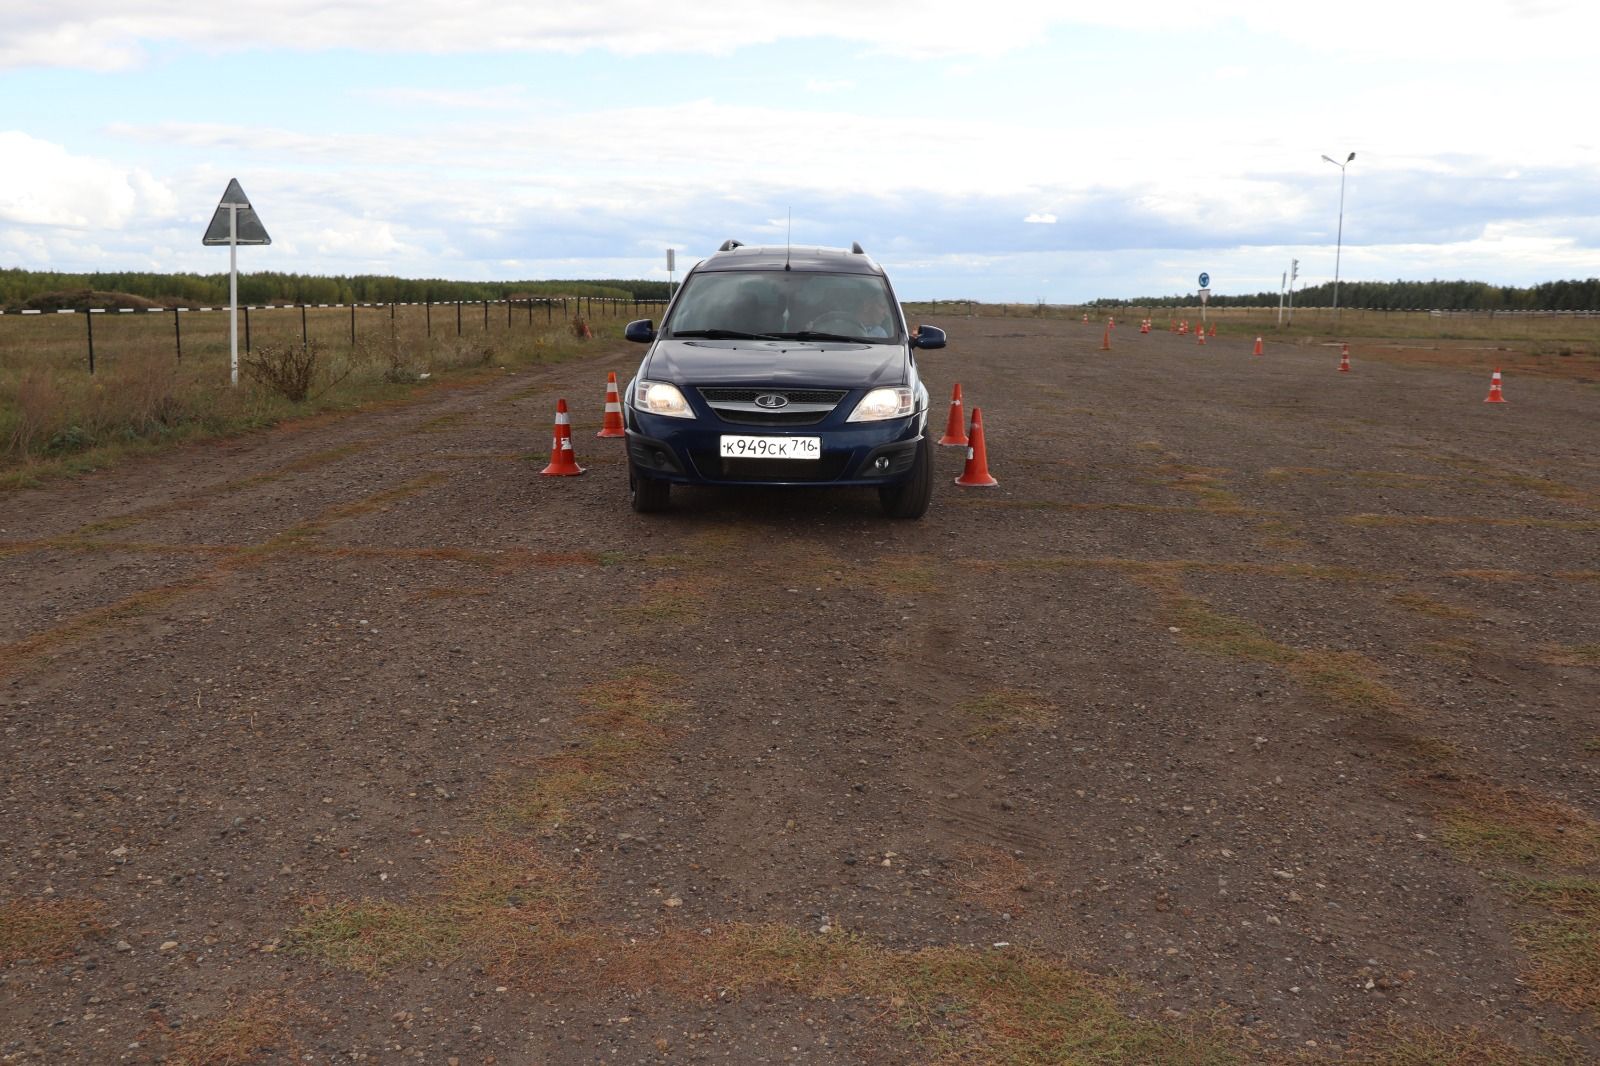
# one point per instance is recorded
(1045, 219)
(111, 34)
(42, 184)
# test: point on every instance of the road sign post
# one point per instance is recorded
(1205, 294)
(234, 223)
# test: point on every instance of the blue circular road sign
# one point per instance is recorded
(1205, 279)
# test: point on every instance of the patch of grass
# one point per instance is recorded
(1005, 709)
(1490, 575)
(43, 930)
(1571, 655)
(1410, 1045)
(456, 593)
(678, 600)
(240, 1034)
(494, 890)
(1515, 521)
(1486, 824)
(1223, 635)
(905, 575)
(961, 1005)
(1565, 953)
(1564, 948)
(1422, 603)
(994, 878)
(626, 726)
(1345, 678)
(19, 654)
(1449, 649)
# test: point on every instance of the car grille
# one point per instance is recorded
(806, 407)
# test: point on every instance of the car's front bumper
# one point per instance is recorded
(688, 452)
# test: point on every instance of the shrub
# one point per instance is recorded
(287, 369)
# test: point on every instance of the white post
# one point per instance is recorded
(233, 291)
(1282, 284)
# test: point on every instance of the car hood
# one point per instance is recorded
(824, 364)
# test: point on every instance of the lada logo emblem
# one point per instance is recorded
(772, 400)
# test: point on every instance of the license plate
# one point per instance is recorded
(741, 446)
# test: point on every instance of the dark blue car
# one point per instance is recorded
(780, 366)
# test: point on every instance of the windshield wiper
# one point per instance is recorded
(725, 335)
(813, 335)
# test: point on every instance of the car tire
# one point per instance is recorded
(910, 498)
(646, 495)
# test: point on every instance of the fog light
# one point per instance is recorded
(882, 462)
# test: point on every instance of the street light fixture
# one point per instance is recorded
(1339, 245)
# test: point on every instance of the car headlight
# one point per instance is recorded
(879, 404)
(659, 398)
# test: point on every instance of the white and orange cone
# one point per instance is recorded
(1344, 358)
(1495, 395)
(612, 426)
(955, 432)
(976, 472)
(1200, 335)
(563, 461)
(1105, 341)
(1258, 347)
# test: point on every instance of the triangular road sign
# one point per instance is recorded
(250, 229)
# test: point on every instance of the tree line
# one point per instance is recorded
(1409, 295)
(19, 287)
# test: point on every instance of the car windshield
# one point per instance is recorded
(785, 305)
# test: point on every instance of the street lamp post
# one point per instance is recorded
(1339, 245)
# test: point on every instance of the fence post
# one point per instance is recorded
(549, 310)
(177, 334)
(246, 329)
(305, 336)
(427, 307)
(458, 318)
(352, 325)
(509, 301)
(486, 316)
(88, 314)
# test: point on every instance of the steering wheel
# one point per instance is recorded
(837, 322)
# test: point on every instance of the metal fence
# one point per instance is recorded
(445, 316)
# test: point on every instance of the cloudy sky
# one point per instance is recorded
(1000, 150)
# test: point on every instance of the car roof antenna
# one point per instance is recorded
(788, 239)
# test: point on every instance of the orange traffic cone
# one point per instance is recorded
(1213, 329)
(1086, 316)
(1105, 341)
(1200, 335)
(1144, 327)
(1258, 347)
(1111, 323)
(955, 433)
(1183, 327)
(1344, 359)
(563, 463)
(1495, 395)
(612, 426)
(976, 473)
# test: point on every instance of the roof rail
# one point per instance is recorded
(855, 246)
(730, 244)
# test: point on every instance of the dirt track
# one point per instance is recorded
(1254, 683)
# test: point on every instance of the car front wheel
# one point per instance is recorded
(910, 498)
(646, 494)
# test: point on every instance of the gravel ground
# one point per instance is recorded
(1243, 698)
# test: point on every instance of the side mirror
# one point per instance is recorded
(928, 337)
(640, 331)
